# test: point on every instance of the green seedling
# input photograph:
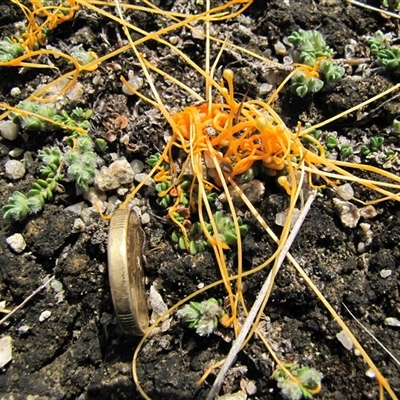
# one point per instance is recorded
(10, 50)
(306, 380)
(314, 53)
(346, 151)
(302, 84)
(378, 42)
(311, 44)
(396, 128)
(391, 4)
(203, 316)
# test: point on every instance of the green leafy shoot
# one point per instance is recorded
(203, 316)
(306, 381)
(9, 50)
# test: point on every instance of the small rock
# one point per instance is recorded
(15, 153)
(145, 218)
(345, 191)
(281, 217)
(368, 212)
(253, 190)
(9, 130)
(141, 176)
(137, 166)
(79, 226)
(348, 213)
(385, 273)
(391, 321)
(345, 340)
(16, 242)
(14, 169)
(370, 373)
(23, 330)
(118, 173)
(5, 350)
(76, 208)
(44, 315)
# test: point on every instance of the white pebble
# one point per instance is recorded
(15, 91)
(136, 82)
(345, 340)
(5, 350)
(345, 191)
(370, 373)
(137, 166)
(15, 152)
(56, 285)
(76, 208)
(23, 330)
(141, 176)
(391, 321)
(16, 242)
(145, 218)
(14, 169)
(264, 89)
(44, 315)
(385, 273)
(9, 130)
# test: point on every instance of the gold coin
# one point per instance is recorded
(125, 270)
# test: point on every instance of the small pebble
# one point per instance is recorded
(368, 212)
(385, 273)
(145, 218)
(345, 340)
(370, 373)
(14, 169)
(5, 350)
(44, 315)
(118, 173)
(56, 285)
(15, 153)
(16, 242)
(23, 330)
(76, 208)
(136, 82)
(349, 214)
(137, 166)
(79, 226)
(141, 176)
(15, 91)
(253, 190)
(264, 89)
(345, 191)
(9, 130)
(391, 321)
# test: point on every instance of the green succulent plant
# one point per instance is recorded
(203, 316)
(10, 50)
(308, 379)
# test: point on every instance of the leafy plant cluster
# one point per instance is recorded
(202, 316)
(78, 158)
(391, 4)
(388, 56)
(197, 240)
(9, 50)
(315, 56)
(307, 380)
(179, 197)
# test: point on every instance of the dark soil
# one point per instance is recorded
(79, 352)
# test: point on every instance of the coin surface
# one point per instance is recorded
(125, 270)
